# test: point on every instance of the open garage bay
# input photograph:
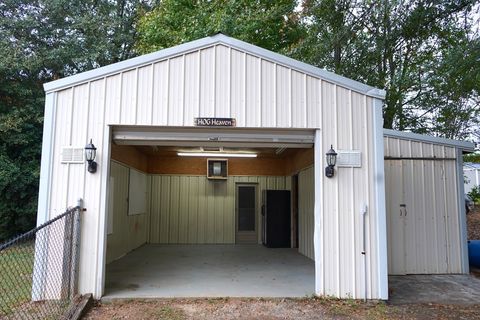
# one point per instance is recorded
(165, 271)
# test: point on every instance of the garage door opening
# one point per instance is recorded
(201, 237)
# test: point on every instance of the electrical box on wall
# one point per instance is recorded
(217, 168)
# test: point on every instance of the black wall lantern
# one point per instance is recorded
(90, 153)
(331, 160)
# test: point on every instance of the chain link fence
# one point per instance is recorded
(38, 269)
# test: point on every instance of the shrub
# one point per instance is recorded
(475, 194)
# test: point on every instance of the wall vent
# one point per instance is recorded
(217, 169)
(72, 155)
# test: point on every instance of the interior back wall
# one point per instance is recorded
(194, 210)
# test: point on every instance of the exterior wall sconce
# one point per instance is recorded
(331, 160)
(90, 153)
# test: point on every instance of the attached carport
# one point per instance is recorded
(426, 222)
(185, 237)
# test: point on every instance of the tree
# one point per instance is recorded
(472, 157)
(270, 24)
(42, 40)
(422, 52)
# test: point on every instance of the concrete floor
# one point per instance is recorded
(166, 271)
(443, 289)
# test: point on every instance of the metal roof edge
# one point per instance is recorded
(464, 145)
(126, 64)
(205, 42)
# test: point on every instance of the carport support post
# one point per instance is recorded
(318, 213)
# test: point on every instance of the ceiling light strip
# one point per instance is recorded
(217, 154)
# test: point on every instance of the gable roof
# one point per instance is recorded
(207, 42)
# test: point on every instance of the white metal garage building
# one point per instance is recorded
(141, 113)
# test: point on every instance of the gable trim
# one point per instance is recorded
(208, 42)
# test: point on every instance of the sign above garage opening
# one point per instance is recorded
(215, 122)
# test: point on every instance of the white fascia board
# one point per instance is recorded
(380, 202)
(206, 42)
(464, 145)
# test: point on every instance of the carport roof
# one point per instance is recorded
(207, 42)
(465, 146)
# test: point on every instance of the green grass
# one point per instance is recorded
(16, 265)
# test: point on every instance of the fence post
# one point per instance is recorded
(67, 255)
(75, 248)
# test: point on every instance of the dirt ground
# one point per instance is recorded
(273, 309)
(473, 223)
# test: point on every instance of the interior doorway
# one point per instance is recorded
(246, 214)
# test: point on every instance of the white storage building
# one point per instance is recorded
(472, 175)
(393, 206)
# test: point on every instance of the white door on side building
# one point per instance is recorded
(422, 217)
(395, 217)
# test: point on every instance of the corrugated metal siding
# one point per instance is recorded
(349, 119)
(195, 210)
(129, 232)
(423, 238)
(306, 201)
(223, 81)
(216, 82)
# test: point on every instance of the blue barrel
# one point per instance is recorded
(474, 253)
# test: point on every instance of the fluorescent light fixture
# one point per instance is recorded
(217, 154)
